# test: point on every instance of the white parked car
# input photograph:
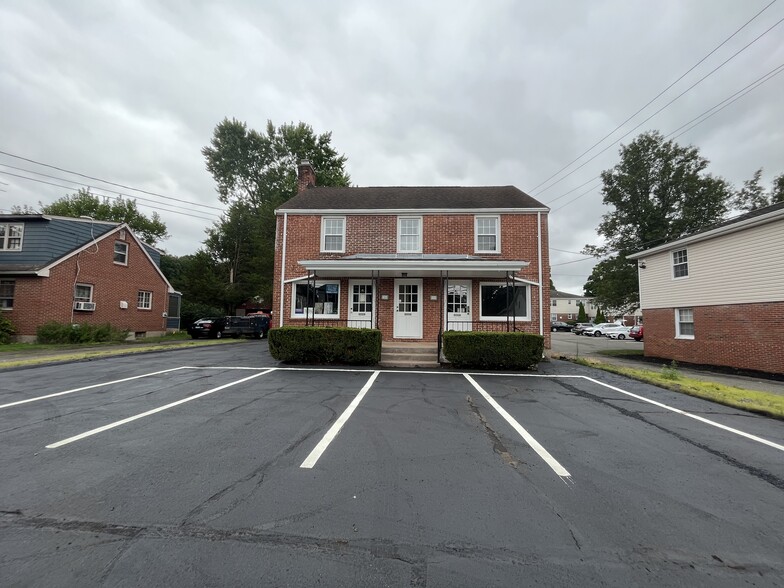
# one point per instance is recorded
(617, 332)
(599, 330)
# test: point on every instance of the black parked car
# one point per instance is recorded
(559, 326)
(211, 327)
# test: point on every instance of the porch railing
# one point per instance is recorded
(351, 323)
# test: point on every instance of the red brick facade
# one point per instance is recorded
(38, 300)
(742, 336)
(441, 234)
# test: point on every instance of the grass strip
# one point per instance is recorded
(764, 403)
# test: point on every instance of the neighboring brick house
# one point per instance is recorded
(717, 297)
(412, 261)
(565, 307)
(76, 271)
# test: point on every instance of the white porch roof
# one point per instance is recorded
(413, 265)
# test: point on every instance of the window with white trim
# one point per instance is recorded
(680, 264)
(333, 234)
(487, 235)
(555, 302)
(144, 300)
(323, 301)
(684, 323)
(409, 234)
(553, 318)
(7, 288)
(121, 253)
(11, 236)
(83, 293)
(497, 300)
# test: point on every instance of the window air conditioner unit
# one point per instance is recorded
(84, 305)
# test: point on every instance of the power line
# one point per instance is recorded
(710, 73)
(156, 207)
(107, 181)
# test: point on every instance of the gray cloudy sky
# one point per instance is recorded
(487, 92)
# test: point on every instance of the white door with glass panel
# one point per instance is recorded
(360, 304)
(408, 309)
(458, 305)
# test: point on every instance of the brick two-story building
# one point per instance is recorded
(412, 261)
(77, 271)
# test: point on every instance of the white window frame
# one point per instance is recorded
(144, 300)
(6, 237)
(418, 249)
(526, 318)
(324, 234)
(83, 298)
(125, 255)
(497, 233)
(4, 298)
(307, 312)
(680, 263)
(679, 322)
(553, 318)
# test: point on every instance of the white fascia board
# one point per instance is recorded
(412, 265)
(718, 232)
(412, 211)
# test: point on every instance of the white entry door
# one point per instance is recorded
(361, 299)
(458, 305)
(408, 309)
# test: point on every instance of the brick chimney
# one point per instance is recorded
(305, 176)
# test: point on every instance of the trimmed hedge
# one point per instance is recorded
(54, 332)
(325, 345)
(493, 350)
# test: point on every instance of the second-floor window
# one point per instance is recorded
(121, 253)
(409, 234)
(144, 300)
(11, 237)
(680, 264)
(333, 234)
(486, 234)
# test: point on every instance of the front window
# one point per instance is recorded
(555, 303)
(83, 293)
(333, 233)
(684, 323)
(11, 237)
(321, 301)
(409, 234)
(680, 264)
(121, 253)
(499, 301)
(7, 288)
(486, 229)
(144, 300)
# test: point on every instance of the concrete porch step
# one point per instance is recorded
(409, 354)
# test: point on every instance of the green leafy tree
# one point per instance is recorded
(121, 210)
(255, 172)
(582, 316)
(753, 195)
(658, 192)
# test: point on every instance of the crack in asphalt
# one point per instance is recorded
(759, 473)
(498, 445)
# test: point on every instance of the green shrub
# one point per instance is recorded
(493, 350)
(6, 330)
(54, 332)
(325, 345)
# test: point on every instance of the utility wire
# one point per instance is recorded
(107, 181)
(710, 73)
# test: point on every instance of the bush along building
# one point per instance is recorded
(81, 271)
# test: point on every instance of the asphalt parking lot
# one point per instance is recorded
(216, 466)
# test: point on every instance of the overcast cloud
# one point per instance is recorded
(415, 93)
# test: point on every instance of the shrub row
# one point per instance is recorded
(493, 350)
(6, 330)
(53, 332)
(325, 345)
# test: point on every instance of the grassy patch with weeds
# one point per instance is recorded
(622, 352)
(751, 400)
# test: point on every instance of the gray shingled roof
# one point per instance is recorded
(416, 197)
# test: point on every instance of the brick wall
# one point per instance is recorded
(38, 300)
(743, 336)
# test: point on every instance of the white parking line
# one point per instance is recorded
(18, 402)
(691, 416)
(535, 445)
(149, 412)
(314, 456)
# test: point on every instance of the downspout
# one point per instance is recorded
(283, 266)
(541, 286)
